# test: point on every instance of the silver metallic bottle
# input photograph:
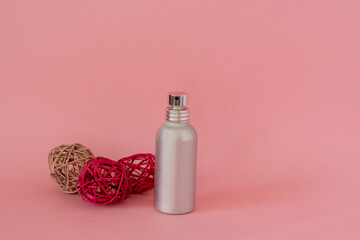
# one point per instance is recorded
(175, 168)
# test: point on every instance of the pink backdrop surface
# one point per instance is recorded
(274, 95)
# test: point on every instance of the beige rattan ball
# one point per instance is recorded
(65, 163)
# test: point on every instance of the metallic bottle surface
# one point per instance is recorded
(175, 168)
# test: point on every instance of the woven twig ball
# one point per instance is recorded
(103, 181)
(65, 163)
(141, 171)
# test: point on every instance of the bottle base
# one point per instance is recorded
(174, 212)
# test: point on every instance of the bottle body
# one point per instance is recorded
(175, 168)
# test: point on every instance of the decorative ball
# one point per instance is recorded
(65, 163)
(141, 171)
(103, 181)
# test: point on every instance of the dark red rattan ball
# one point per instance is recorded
(103, 181)
(141, 171)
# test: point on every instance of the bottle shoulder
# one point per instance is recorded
(181, 126)
(177, 129)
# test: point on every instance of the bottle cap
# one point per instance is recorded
(177, 99)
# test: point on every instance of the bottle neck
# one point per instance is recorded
(177, 114)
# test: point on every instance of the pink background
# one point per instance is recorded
(274, 96)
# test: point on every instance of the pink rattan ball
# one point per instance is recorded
(103, 181)
(141, 171)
